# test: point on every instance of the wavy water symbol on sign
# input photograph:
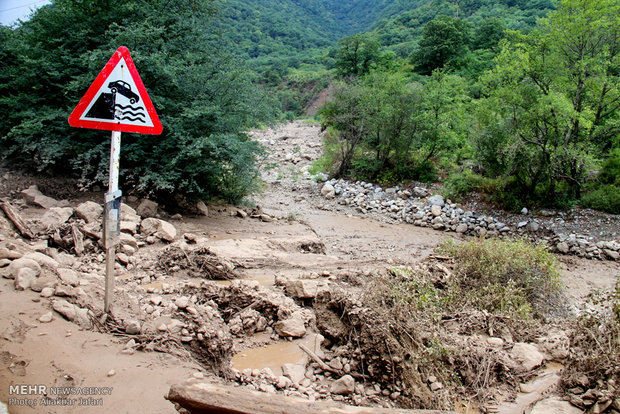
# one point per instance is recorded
(129, 112)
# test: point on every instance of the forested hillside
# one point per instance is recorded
(514, 99)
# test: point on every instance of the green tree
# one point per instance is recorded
(203, 95)
(356, 55)
(444, 43)
(555, 93)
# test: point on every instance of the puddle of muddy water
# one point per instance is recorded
(273, 356)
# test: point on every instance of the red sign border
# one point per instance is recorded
(74, 118)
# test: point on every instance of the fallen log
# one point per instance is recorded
(201, 397)
(16, 219)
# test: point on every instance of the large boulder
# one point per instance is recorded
(24, 278)
(90, 211)
(147, 208)
(159, 228)
(436, 200)
(295, 372)
(328, 191)
(73, 313)
(56, 216)
(343, 386)
(527, 355)
(33, 196)
(43, 259)
(294, 326)
(305, 289)
(21, 263)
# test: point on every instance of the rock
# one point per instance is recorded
(343, 386)
(293, 326)
(122, 258)
(47, 292)
(295, 372)
(69, 276)
(419, 192)
(24, 278)
(554, 406)
(90, 211)
(461, 228)
(527, 355)
(43, 282)
(21, 263)
(72, 312)
(328, 191)
(436, 210)
(241, 213)
(128, 239)
(304, 289)
(524, 211)
(46, 318)
(283, 382)
(63, 290)
(128, 213)
(9, 254)
(160, 228)
(33, 196)
(202, 208)
(266, 218)
(534, 226)
(555, 343)
(56, 216)
(111, 373)
(436, 200)
(182, 302)
(132, 327)
(612, 254)
(147, 208)
(436, 386)
(563, 247)
(43, 260)
(495, 342)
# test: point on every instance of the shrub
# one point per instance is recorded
(506, 276)
(604, 198)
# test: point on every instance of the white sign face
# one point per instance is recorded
(118, 100)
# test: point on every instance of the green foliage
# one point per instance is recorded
(462, 183)
(604, 198)
(203, 95)
(356, 55)
(501, 275)
(553, 101)
(391, 128)
(444, 43)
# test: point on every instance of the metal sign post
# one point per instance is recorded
(112, 219)
(116, 101)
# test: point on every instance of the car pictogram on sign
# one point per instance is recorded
(124, 89)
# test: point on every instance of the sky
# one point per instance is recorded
(11, 10)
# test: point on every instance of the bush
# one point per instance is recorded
(505, 276)
(460, 184)
(604, 198)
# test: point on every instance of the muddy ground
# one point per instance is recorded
(294, 233)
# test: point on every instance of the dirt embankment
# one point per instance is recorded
(302, 267)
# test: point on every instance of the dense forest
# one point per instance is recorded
(516, 100)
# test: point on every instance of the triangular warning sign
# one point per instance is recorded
(117, 100)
